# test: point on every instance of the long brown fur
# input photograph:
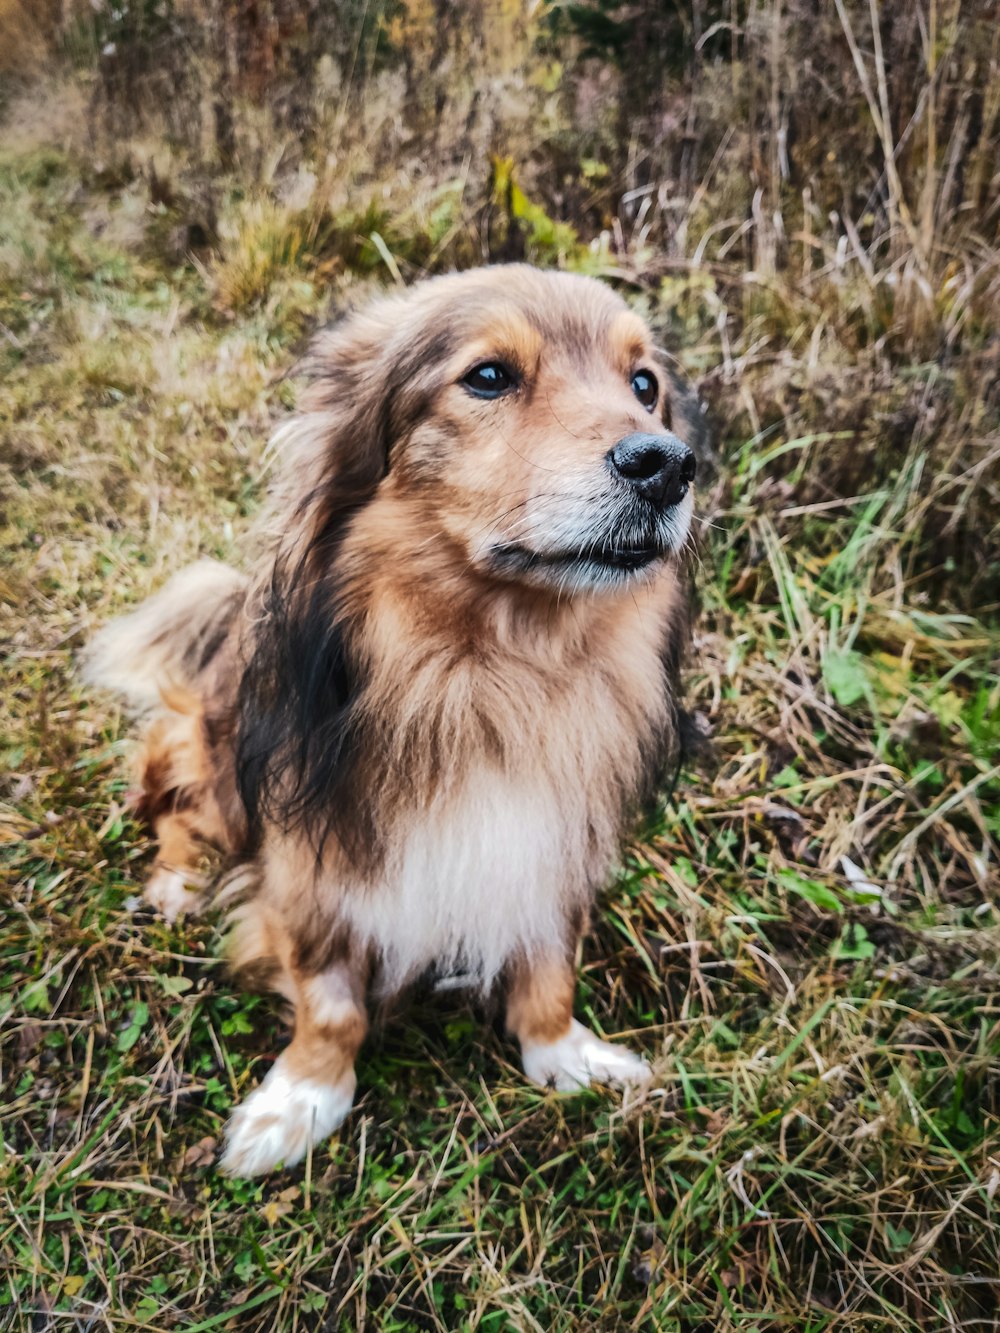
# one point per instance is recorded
(417, 722)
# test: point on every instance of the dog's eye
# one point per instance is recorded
(490, 380)
(645, 388)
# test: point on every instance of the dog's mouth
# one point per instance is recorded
(515, 559)
(569, 552)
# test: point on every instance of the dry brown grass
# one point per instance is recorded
(26, 36)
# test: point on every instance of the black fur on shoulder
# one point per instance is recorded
(301, 762)
(299, 741)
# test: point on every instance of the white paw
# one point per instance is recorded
(280, 1119)
(579, 1059)
(172, 895)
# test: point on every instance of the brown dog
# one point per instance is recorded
(423, 719)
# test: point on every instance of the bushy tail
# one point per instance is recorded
(168, 641)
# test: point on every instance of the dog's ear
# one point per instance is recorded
(298, 740)
(331, 456)
(352, 384)
(370, 376)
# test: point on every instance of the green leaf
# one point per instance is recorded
(818, 894)
(146, 1308)
(947, 707)
(723, 1035)
(845, 677)
(128, 1038)
(175, 985)
(854, 943)
(593, 170)
(35, 998)
(237, 1023)
(898, 1238)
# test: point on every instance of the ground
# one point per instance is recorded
(803, 938)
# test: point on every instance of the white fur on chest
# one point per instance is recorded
(486, 875)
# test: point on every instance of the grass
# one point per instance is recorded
(805, 938)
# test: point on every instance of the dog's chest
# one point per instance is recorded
(504, 811)
(491, 872)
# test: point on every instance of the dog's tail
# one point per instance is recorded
(164, 645)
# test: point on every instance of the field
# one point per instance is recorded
(804, 937)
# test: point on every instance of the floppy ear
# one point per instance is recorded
(295, 732)
(299, 732)
(332, 454)
(369, 379)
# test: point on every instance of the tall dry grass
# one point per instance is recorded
(809, 193)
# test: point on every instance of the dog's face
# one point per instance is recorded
(522, 420)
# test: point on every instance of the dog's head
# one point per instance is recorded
(520, 419)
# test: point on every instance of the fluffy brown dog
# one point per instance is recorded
(423, 719)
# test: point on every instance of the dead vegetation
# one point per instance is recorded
(805, 200)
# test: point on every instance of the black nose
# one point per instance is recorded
(660, 467)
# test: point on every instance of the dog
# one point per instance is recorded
(423, 717)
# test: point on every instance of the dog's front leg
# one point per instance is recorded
(310, 1088)
(556, 1050)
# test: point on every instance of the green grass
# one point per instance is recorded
(822, 1149)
